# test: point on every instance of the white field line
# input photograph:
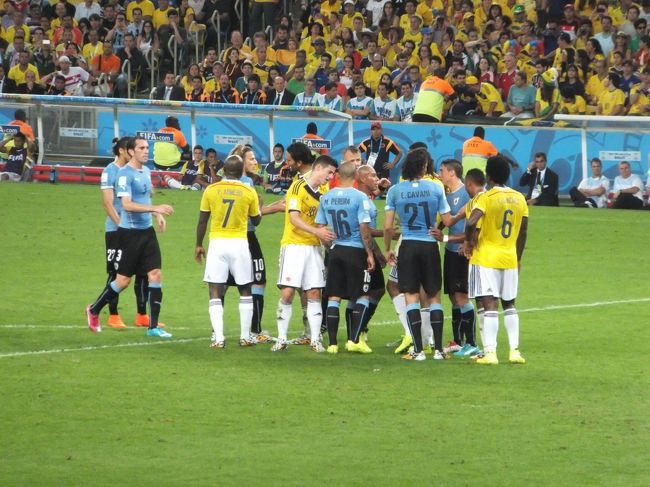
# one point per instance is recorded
(72, 327)
(186, 340)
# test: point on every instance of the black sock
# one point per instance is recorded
(258, 309)
(437, 320)
(323, 306)
(107, 294)
(414, 320)
(359, 313)
(372, 307)
(455, 325)
(467, 324)
(112, 304)
(155, 298)
(140, 289)
(332, 318)
(348, 319)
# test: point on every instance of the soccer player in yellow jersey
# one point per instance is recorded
(495, 254)
(301, 264)
(228, 204)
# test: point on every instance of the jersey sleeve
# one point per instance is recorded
(124, 180)
(363, 146)
(293, 202)
(390, 200)
(205, 201)
(363, 212)
(480, 203)
(392, 147)
(443, 208)
(254, 208)
(179, 138)
(321, 219)
(107, 180)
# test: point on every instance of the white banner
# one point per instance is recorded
(233, 139)
(626, 155)
(78, 133)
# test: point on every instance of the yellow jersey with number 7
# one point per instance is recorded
(230, 203)
(503, 210)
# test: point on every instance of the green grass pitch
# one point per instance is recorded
(110, 409)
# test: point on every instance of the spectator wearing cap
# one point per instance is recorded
(378, 149)
(86, 8)
(612, 101)
(547, 99)
(432, 95)
(489, 100)
(75, 77)
(372, 75)
(519, 19)
(348, 14)
(314, 59)
(253, 94)
(468, 25)
(570, 21)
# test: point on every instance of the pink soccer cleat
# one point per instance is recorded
(93, 321)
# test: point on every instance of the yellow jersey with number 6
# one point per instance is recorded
(503, 211)
(230, 203)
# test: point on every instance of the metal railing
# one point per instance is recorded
(217, 28)
(269, 34)
(173, 52)
(127, 72)
(239, 8)
(150, 58)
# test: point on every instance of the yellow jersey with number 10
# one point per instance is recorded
(230, 203)
(303, 199)
(503, 210)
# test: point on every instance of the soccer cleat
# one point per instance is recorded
(490, 358)
(246, 342)
(93, 321)
(438, 355)
(317, 347)
(515, 357)
(215, 344)
(279, 346)
(467, 351)
(406, 342)
(261, 338)
(157, 332)
(301, 340)
(451, 347)
(416, 357)
(361, 347)
(115, 321)
(143, 321)
(333, 349)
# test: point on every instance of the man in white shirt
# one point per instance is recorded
(309, 97)
(383, 106)
(85, 9)
(75, 77)
(628, 189)
(375, 8)
(406, 102)
(591, 192)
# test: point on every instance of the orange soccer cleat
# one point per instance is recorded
(143, 321)
(115, 321)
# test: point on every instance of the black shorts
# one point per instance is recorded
(112, 240)
(259, 267)
(347, 277)
(377, 278)
(418, 265)
(455, 271)
(140, 252)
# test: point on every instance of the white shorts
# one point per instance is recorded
(228, 255)
(11, 175)
(498, 283)
(302, 267)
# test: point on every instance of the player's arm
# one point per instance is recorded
(275, 207)
(398, 155)
(470, 231)
(129, 205)
(521, 238)
(389, 232)
(366, 237)
(322, 233)
(201, 228)
(107, 200)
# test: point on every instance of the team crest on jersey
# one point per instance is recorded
(456, 200)
(258, 276)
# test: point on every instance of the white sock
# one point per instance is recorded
(307, 330)
(490, 330)
(480, 317)
(283, 318)
(245, 316)
(215, 309)
(172, 183)
(399, 302)
(511, 322)
(315, 318)
(427, 330)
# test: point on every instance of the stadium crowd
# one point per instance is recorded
(375, 59)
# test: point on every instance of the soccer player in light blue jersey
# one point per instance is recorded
(417, 203)
(139, 252)
(346, 211)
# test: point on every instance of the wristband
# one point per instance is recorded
(445, 238)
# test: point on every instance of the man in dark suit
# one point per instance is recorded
(6, 85)
(279, 95)
(542, 183)
(168, 90)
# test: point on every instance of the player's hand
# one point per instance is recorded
(384, 183)
(391, 258)
(466, 249)
(164, 210)
(162, 224)
(325, 234)
(531, 166)
(370, 260)
(199, 253)
(435, 233)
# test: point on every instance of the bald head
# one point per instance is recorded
(347, 171)
(233, 167)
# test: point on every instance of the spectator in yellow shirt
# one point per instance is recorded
(372, 74)
(160, 14)
(488, 98)
(18, 24)
(17, 73)
(612, 101)
(409, 8)
(147, 7)
(640, 95)
(572, 104)
(596, 83)
(425, 10)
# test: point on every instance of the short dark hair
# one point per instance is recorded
(497, 169)
(130, 145)
(597, 160)
(479, 132)
(198, 147)
(476, 176)
(540, 154)
(455, 165)
(279, 146)
(210, 151)
(312, 128)
(20, 114)
(324, 160)
(120, 144)
(330, 85)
